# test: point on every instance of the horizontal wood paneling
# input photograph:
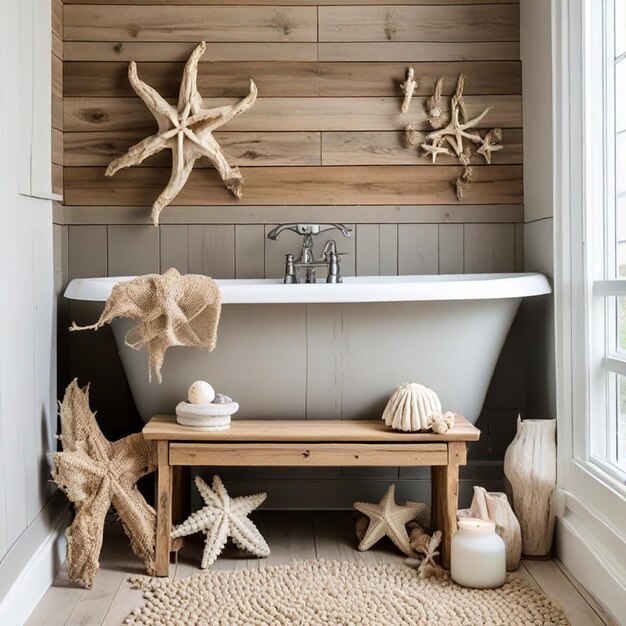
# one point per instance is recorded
(287, 79)
(388, 148)
(179, 51)
(57, 146)
(168, 23)
(389, 215)
(289, 114)
(248, 149)
(57, 113)
(419, 23)
(495, 184)
(415, 51)
(284, 148)
(57, 76)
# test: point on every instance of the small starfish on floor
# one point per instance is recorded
(388, 519)
(223, 517)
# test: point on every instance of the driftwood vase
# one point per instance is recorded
(494, 506)
(530, 467)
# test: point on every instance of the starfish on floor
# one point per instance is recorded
(223, 517)
(96, 474)
(388, 519)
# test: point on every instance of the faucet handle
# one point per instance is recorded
(308, 229)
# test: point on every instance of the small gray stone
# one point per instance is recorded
(220, 398)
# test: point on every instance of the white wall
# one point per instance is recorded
(29, 512)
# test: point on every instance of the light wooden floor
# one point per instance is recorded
(298, 535)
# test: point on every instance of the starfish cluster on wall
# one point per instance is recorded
(186, 130)
(447, 137)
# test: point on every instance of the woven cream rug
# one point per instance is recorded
(333, 593)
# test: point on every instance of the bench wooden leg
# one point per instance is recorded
(163, 509)
(445, 497)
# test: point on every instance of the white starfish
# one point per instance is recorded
(223, 517)
(186, 131)
(388, 519)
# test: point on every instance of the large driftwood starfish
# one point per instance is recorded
(223, 517)
(186, 131)
(388, 519)
(95, 473)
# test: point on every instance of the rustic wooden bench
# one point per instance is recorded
(309, 443)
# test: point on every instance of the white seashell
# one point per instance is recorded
(441, 423)
(221, 398)
(200, 392)
(410, 406)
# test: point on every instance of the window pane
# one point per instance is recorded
(620, 452)
(620, 95)
(621, 323)
(620, 27)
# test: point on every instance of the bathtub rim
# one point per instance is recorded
(354, 289)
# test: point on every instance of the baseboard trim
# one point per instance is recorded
(586, 563)
(36, 576)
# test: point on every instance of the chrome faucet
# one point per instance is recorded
(307, 262)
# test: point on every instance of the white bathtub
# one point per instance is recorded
(337, 351)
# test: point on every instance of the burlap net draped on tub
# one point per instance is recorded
(170, 309)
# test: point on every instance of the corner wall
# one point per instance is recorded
(30, 512)
(536, 55)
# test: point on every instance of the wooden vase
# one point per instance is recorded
(530, 467)
(494, 506)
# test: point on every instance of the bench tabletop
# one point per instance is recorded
(165, 428)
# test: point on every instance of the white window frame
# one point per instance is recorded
(588, 486)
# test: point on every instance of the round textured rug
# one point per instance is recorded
(332, 592)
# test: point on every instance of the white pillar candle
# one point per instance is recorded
(477, 555)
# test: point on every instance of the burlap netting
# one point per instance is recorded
(95, 474)
(171, 310)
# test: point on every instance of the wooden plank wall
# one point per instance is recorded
(324, 142)
(57, 97)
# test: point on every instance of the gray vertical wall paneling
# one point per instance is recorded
(489, 248)
(249, 251)
(519, 247)
(450, 248)
(418, 249)
(346, 246)
(87, 251)
(133, 250)
(388, 249)
(367, 250)
(275, 251)
(174, 244)
(212, 250)
(324, 324)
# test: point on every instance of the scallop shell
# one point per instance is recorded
(410, 406)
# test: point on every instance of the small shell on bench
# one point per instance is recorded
(410, 407)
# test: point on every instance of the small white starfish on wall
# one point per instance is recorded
(388, 519)
(223, 517)
(186, 130)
